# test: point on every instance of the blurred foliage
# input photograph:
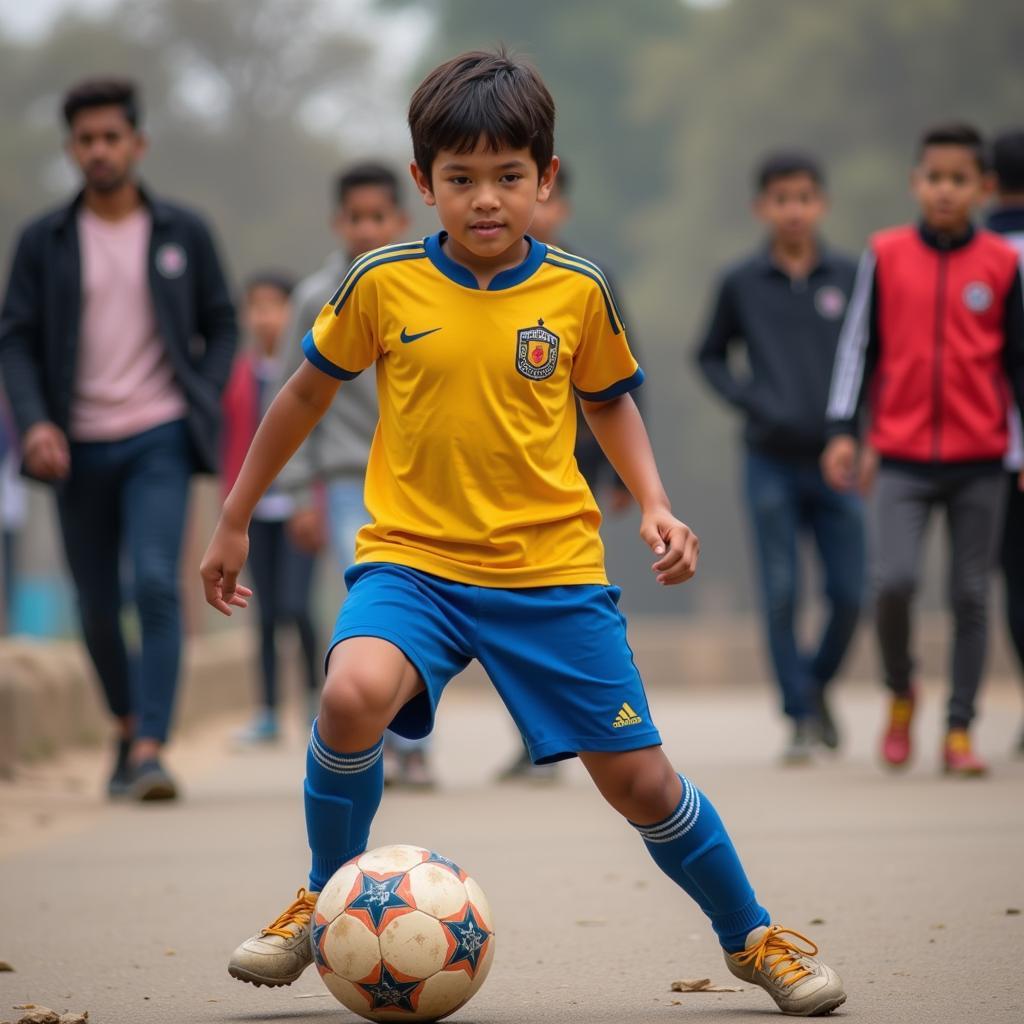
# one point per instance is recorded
(222, 86)
(663, 109)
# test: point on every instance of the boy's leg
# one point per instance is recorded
(903, 502)
(773, 499)
(263, 569)
(684, 834)
(376, 675)
(974, 511)
(296, 569)
(838, 524)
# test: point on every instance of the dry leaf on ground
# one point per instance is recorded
(700, 985)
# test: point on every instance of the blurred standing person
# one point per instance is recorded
(282, 572)
(1007, 219)
(784, 304)
(12, 514)
(548, 225)
(935, 336)
(116, 337)
(326, 474)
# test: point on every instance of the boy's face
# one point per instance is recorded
(486, 199)
(948, 184)
(550, 217)
(265, 316)
(792, 207)
(105, 146)
(367, 219)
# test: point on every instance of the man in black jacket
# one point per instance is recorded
(116, 338)
(785, 305)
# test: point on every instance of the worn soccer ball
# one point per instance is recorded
(400, 933)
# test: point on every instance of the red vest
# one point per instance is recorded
(939, 391)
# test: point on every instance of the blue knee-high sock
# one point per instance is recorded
(692, 847)
(343, 793)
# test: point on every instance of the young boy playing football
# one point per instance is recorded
(484, 537)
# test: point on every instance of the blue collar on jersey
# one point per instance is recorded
(462, 275)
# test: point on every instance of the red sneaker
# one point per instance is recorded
(958, 758)
(896, 741)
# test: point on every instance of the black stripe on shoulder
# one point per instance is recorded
(554, 258)
(353, 279)
(572, 257)
(360, 261)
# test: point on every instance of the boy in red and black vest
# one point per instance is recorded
(934, 340)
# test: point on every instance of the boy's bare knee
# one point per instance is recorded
(356, 700)
(644, 789)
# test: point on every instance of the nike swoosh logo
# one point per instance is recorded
(407, 338)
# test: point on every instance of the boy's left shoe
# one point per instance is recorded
(958, 758)
(790, 973)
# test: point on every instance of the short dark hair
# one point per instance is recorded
(485, 95)
(955, 133)
(368, 172)
(271, 278)
(1008, 160)
(104, 92)
(784, 164)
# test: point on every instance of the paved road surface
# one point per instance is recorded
(131, 912)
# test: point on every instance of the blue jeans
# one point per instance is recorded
(128, 498)
(346, 514)
(789, 498)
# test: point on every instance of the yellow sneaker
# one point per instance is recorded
(790, 973)
(279, 953)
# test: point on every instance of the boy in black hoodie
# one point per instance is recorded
(784, 303)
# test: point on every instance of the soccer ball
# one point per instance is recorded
(400, 933)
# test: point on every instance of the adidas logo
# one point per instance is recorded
(626, 716)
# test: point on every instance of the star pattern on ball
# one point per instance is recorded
(436, 858)
(390, 992)
(376, 898)
(315, 937)
(470, 938)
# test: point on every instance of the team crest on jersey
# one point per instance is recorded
(536, 352)
(977, 296)
(830, 302)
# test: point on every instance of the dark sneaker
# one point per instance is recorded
(150, 781)
(800, 748)
(121, 778)
(828, 732)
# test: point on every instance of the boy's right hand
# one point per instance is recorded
(839, 463)
(221, 565)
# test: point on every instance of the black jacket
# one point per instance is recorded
(789, 330)
(39, 322)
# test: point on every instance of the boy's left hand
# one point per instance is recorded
(674, 542)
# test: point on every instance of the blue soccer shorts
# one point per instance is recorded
(558, 656)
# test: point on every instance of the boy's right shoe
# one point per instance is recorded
(800, 748)
(896, 747)
(120, 782)
(790, 973)
(958, 757)
(279, 953)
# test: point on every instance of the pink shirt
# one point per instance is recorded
(124, 383)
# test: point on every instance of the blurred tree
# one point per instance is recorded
(228, 91)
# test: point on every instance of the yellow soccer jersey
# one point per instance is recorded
(472, 475)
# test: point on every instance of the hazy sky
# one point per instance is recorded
(30, 19)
